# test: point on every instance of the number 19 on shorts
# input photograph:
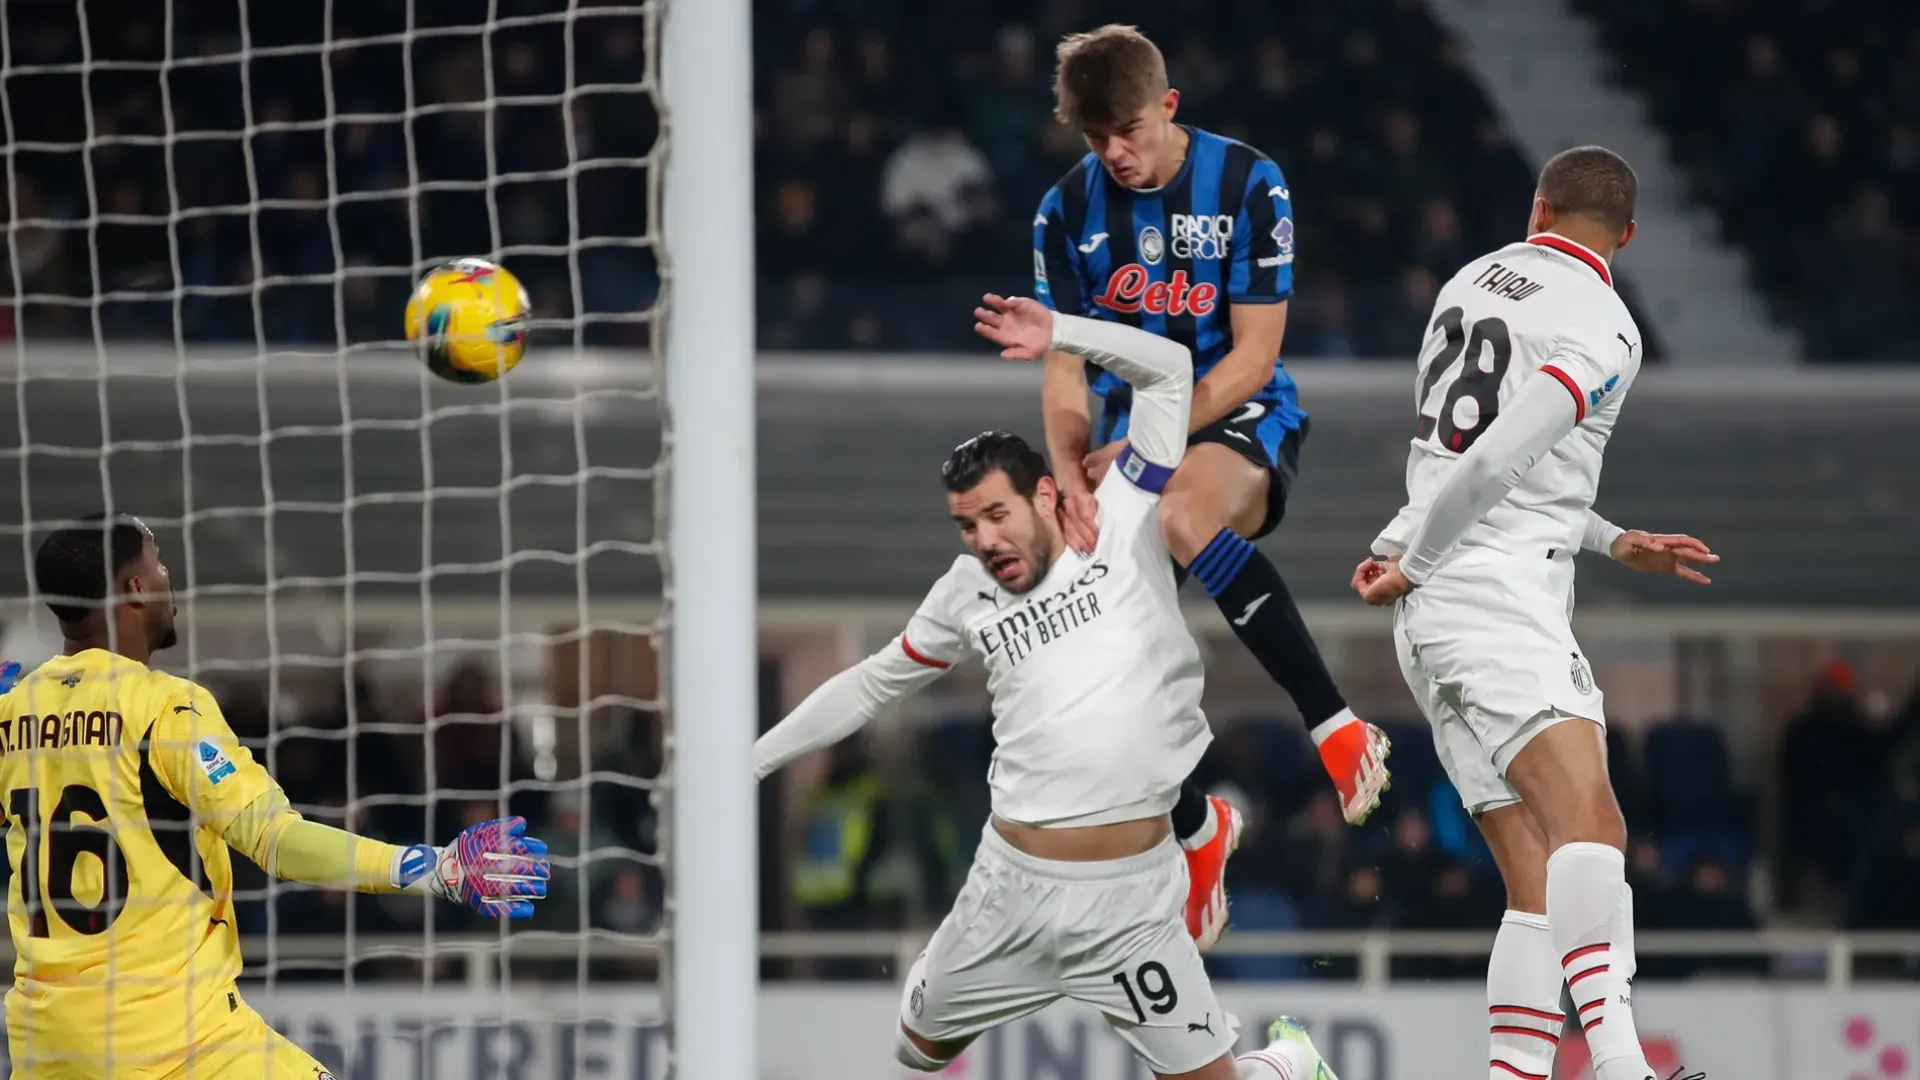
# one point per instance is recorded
(1151, 982)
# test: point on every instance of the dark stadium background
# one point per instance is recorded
(900, 148)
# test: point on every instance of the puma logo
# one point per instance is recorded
(1206, 1024)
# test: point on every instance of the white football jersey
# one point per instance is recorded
(1095, 677)
(1545, 304)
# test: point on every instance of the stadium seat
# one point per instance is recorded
(1690, 779)
(1799, 123)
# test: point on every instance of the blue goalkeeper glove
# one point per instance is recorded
(9, 674)
(493, 868)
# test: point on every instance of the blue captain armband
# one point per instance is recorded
(1145, 474)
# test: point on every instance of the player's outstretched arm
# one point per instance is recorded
(1161, 371)
(849, 701)
(846, 703)
(492, 867)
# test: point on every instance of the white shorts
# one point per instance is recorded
(1026, 932)
(1487, 648)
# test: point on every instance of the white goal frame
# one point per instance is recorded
(711, 572)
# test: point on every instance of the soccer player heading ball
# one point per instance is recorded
(128, 957)
(1190, 236)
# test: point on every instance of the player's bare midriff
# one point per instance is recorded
(1092, 843)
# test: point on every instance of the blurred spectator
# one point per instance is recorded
(1401, 323)
(810, 97)
(934, 188)
(1645, 872)
(1827, 753)
(1903, 751)
(1441, 249)
(1411, 867)
(1007, 104)
(469, 730)
(1320, 321)
(1860, 303)
(1359, 905)
(1316, 846)
(843, 838)
(1886, 891)
(1707, 898)
(629, 906)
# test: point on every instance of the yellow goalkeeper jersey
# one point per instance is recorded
(117, 781)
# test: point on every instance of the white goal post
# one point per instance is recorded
(711, 571)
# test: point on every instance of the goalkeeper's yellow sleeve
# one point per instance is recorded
(274, 835)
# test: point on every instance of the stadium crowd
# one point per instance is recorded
(1847, 785)
(898, 151)
(1801, 123)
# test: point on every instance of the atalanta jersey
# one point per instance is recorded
(1171, 260)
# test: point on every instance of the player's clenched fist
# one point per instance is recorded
(1380, 581)
(493, 868)
(1022, 327)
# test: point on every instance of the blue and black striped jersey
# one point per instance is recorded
(1171, 260)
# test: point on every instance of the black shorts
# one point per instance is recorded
(1262, 438)
(1254, 432)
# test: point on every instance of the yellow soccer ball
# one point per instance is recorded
(469, 319)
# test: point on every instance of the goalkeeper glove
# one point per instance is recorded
(9, 674)
(493, 868)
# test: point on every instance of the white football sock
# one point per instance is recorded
(1324, 730)
(1586, 884)
(1281, 1061)
(1624, 958)
(1523, 999)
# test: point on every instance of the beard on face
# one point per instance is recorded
(1019, 567)
(162, 634)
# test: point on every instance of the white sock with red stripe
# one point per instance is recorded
(1523, 999)
(1592, 932)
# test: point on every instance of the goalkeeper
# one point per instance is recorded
(125, 791)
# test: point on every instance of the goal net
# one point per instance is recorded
(423, 604)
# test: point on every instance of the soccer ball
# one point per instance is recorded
(469, 319)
